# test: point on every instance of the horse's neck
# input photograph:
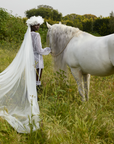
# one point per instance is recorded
(62, 36)
(69, 36)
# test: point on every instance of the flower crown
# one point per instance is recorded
(34, 20)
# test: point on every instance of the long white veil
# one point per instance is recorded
(18, 96)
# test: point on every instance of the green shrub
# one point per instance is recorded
(4, 17)
(16, 29)
(11, 28)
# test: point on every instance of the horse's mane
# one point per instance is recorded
(61, 35)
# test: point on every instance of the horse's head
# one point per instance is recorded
(48, 39)
(59, 35)
(52, 36)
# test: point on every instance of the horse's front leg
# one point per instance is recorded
(77, 73)
(86, 79)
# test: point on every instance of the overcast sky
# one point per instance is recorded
(95, 7)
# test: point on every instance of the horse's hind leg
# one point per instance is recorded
(77, 73)
(86, 79)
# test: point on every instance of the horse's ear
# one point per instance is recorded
(48, 25)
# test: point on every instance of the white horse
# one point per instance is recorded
(84, 53)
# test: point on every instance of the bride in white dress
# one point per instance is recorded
(18, 95)
(37, 49)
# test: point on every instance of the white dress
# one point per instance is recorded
(38, 51)
(18, 95)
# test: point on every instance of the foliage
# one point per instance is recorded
(65, 119)
(101, 25)
(43, 33)
(88, 25)
(16, 29)
(68, 23)
(46, 12)
(72, 17)
(4, 17)
(90, 16)
(111, 22)
(83, 22)
(44, 26)
(11, 28)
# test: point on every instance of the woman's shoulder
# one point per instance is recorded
(34, 33)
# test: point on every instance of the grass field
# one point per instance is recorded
(65, 119)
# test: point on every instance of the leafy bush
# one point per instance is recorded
(4, 17)
(11, 28)
(16, 29)
(101, 26)
(88, 25)
(69, 23)
(46, 12)
(111, 24)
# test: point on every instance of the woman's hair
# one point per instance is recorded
(32, 28)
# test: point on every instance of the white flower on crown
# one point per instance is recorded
(34, 20)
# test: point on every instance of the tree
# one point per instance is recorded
(111, 22)
(4, 17)
(68, 23)
(90, 16)
(46, 12)
(45, 6)
(112, 14)
(30, 12)
(101, 26)
(88, 25)
(81, 21)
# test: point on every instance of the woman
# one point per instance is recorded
(18, 95)
(37, 46)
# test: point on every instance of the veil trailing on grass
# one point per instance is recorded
(18, 96)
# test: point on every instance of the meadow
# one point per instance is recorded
(65, 118)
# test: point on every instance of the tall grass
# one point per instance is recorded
(65, 119)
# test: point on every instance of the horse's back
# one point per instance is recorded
(91, 54)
